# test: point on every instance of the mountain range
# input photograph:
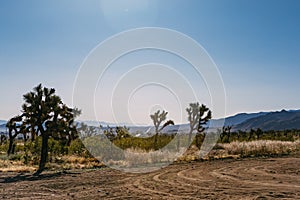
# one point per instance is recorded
(281, 120)
(239, 118)
(278, 120)
(2, 126)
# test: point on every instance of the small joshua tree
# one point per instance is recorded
(227, 133)
(157, 119)
(259, 133)
(251, 134)
(14, 129)
(198, 116)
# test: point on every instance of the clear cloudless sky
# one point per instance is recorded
(255, 44)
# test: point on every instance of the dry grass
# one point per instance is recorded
(137, 157)
(190, 154)
(75, 162)
(243, 149)
(259, 148)
(15, 166)
(65, 162)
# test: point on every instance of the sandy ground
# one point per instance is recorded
(256, 178)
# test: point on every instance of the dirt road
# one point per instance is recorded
(262, 178)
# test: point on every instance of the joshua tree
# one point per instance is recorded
(251, 134)
(3, 138)
(122, 132)
(240, 134)
(157, 119)
(109, 133)
(87, 131)
(14, 128)
(47, 115)
(227, 133)
(259, 133)
(198, 116)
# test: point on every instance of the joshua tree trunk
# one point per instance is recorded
(155, 141)
(10, 147)
(33, 134)
(178, 142)
(44, 153)
(190, 136)
(199, 139)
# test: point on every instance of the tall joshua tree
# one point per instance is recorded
(158, 118)
(48, 116)
(198, 116)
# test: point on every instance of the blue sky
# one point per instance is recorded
(255, 44)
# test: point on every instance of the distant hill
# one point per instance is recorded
(241, 121)
(281, 120)
(102, 123)
(2, 126)
(238, 118)
(232, 120)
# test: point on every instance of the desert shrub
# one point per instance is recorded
(19, 146)
(4, 148)
(98, 147)
(103, 150)
(77, 148)
(143, 143)
(36, 146)
(32, 151)
(15, 157)
(56, 148)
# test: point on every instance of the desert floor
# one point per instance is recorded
(251, 178)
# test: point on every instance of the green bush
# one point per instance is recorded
(77, 147)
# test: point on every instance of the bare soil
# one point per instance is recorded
(252, 178)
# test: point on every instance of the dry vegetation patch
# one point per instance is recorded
(135, 157)
(15, 166)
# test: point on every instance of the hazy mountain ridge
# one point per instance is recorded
(3, 126)
(228, 121)
(280, 120)
(102, 123)
(238, 118)
(276, 120)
